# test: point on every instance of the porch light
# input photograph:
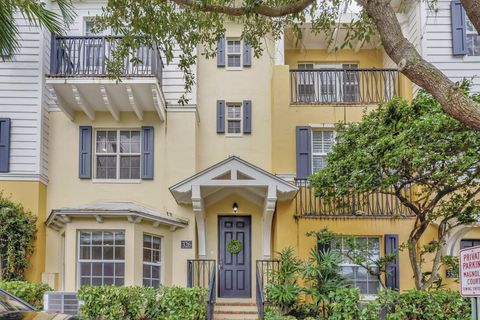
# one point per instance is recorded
(235, 207)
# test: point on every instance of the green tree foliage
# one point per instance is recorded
(17, 235)
(430, 161)
(34, 12)
(31, 293)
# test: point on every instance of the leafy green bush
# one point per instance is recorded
(17, 234)
(282, 289)
(135, 303)
(343, 304)
(31, 293)
(418, 305)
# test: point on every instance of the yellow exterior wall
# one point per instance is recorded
(32, 195)
(366, 58)
(250, 83)
(173, 161)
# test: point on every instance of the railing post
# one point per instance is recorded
(189, 274)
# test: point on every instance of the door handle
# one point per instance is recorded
(220, 265)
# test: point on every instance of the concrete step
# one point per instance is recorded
(235, 310)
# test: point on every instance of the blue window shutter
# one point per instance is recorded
(220, 116)
(392, 275)
(304, 151)
(247, 116)
(247, 55)
(4, 144)
(459, 28)
(147, 153)
(221, 52)
(85, 153)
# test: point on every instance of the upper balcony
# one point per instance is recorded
(343, 86)
(79, 78)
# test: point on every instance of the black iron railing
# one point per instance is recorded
(264, 272)
(202, 273)
(88, 56)
(354, 204)
(343, 86)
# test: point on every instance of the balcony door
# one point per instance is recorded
(328, 83)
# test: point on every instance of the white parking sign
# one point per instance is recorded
(470, 272)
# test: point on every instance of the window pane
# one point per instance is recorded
(124, 141)
(234, 126)
(152, 260)
(135, 142)
(129, 167)
(233, 46)
(106, 167)
(85, 253)
(119, 253)
(233, 60)
(147, 255)
(147, 241)
(104, 245)
(119, 238)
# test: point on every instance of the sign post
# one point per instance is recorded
(470, 277)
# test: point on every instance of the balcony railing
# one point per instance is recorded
(87, 57)
(343, 86)
(361, 204)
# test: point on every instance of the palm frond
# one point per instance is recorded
(35, 13)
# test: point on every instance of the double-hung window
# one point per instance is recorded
(234, 119)
(152, 260)
(358, 276)
(234, 53)
(101, 258)
(117, 154)
(322, 144)
(473, 39)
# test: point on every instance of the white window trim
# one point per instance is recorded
(233, 135)
(162, 257)
(323, 154)
(227, 67)
(124, 261)
(117, 154)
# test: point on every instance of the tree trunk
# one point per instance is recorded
(418, 70)
(472, 8)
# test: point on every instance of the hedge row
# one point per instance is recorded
(142, 303)
(345, 304)
(31, 293)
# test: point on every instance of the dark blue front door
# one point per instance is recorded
(234, 268)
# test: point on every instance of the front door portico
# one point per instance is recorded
(234, 176)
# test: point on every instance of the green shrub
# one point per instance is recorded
(31, 293)
(18, 229)
(343, 304)
(135, 303)
(418, 305)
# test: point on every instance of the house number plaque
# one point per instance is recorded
(186, 244)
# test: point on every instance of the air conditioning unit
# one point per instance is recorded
(61, 302)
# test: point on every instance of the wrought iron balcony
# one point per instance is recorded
(364, 204)
(87, 57)
(343, 86)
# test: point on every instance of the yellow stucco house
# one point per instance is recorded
(132, 188)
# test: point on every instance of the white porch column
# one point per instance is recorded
(199, 210)
(268, 211)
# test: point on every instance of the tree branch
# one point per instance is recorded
(472, 9)
(417, 69)
(261, 9)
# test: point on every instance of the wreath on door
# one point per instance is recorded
(234, 246)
